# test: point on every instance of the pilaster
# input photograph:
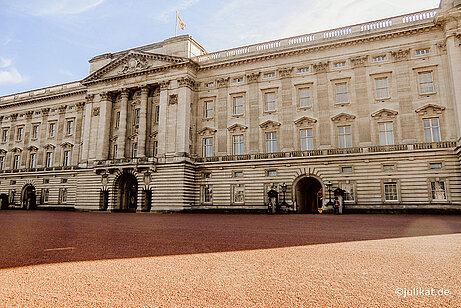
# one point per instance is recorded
(143, 122)
(87, 128)
(121, 140)
(105, 112)
(162, 123)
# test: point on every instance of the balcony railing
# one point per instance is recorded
(71, 86)
(329, 152)
(126, 161)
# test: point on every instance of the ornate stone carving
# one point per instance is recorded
(401, 54)
(187, 82)
(285, 72)
(124, 93)
(173, 99)
(222, 82)
(133, 64)
(32, 149)
(14, 116)
(113, 139)
(106, 96)
(343, 118)
(147, 177)
(95, 111)
(89, 98)
(66, 145)
(62, 109)
(207, 131)
(29, 114)
(2, 151)
(237, 128)
(153, 135)
(253, 77)
(321, 67)
(49, 147)
(384, 114)
(80, 106)
(16, 150)
(164, 85)
(430, 110)
(305, 122)
(269, 124)
(45, 111)
(359, 61)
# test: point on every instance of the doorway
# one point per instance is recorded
(28, 197)
(127, 192)
(309, 195)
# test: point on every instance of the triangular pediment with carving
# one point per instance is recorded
(16, 150)
(49, 147)
(207, 131)
(430, 110)
(237, 128)
(384, 114)
(32, 148)
(305, 122)
(2, 151)
(269, 124)
(67, 145)
(343, 118)
(132, 62)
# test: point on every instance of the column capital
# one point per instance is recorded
(106, 96)
(124, 92)
(164, 85)
(89, 98)
(145, 90)
(29, 114)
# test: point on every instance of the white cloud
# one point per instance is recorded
(5, 62)
(181, 5)
(11, 76)
(55, 7)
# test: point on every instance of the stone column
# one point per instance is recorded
(220, 115)
(453, 45)
(42, 137)
(61, 132)
(87, 127)
(11, 139)
(323, 98)
(26, 137)
(162, 122)
(78, 132)
(186, 86)
(105, 113)
(286, 139)
(143, 122)
(121, 141)
(361, 105)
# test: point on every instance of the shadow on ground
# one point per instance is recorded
(41, 237)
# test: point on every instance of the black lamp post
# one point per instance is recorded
(284, 190)
(329, 193)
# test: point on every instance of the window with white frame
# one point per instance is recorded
(238, 174)
(435, 165)
(381, 86)
(379, 58)
(304, 97)
(66, 158)
(134, 150)
(237, 105)
(348, 189)
(347, 169)
(32, 160)
(426, 82)
(269, 75)
(16, 161)
(4, 135)
(237, 142)
(2, 162)
(117, 119)
(438, 191)
(341, 93)
(52, 129)
(208, 105)
(20, 133)
(307, 139)
(48, 159)
(271, 173)
(237, 80)
(63, 195)
(45, 195)
(137, 116)
(207, 196)
(207, 147)
(339, 64)
(70, 127)
(238, 192)
(303, 69)
(390, 191)
(155, 148)
(344, 136)
(115, 156)
(431, 130)
(35, 131)
(386, 133)
(422, 51)
(269, 101)
(271, 142)
(157, 113)
(209, 84)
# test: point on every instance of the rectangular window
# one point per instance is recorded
(238, 174)
(422, 51)
(390, 191)
(438, 191)
(431, 130)
(271, 173)
(208, 109)
(348, 191)
(346, 169)
(344, 137)
(117, 119)
(115, 153)
(16, 161)
(32, 160)
(388, 167)
(271, 142)
(435, 166)
(386, 133)
(157, 113)
(304, 97)
(155, 148)
(341, 93)
(340, 64)
(20, 133)
(209, 84)
(269, 101)
(49, 159)
(52, 129)
(5, 135)
(379, 58)
(426, 83)
(137, 116)
(70, 127)
(237, 80)
(207, 194)
(45, 195)
(382, 90)
(238, 105)
(207, 175)
(2, 162)
(237, 142)
(66, 159)
(35, 132)
(63, 195)
(238, 194)
(307, 140)
(134, 150)
(208, 147)
(303, 70)
(269, 75)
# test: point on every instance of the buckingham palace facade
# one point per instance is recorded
(373, 108)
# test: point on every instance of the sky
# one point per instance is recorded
(49, 42)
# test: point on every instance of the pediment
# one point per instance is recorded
(236, 128)
(132, 62)
(16, 150)
(49, 146)
(269, 124)
(384, 114)
(2, 151)
(343, 117)
(305, 121)
(32, 148)
(207, 131)
(67, 145)
(430, 109)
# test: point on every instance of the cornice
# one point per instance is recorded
(43, 98)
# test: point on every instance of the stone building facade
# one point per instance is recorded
(373, 108)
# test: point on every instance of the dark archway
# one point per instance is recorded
(127, 191)
(29, 197)
(308, 194)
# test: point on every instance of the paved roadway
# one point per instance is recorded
(69, 259)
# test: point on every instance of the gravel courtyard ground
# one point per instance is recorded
(69, 259)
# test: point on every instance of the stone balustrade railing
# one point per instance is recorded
(39, 92)
(323, 36)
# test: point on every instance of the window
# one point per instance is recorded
(303, 70)
(307, 140)
(382, 90)
(49, 159)
(339, 64)
(271, 142)
(117, 119)
(271, 173)
(207, 175)
(63, 195)
(32, 160)
(208, 147)
(388, 167)
(35, 132)
(390, 191)
(70, 127)
(20, 133)
(426, 83)
(115, 153)
(344, 137)
(237, 142)
(238, 174)
(45, 195)
(341, 93)
(386, 133)
(238, 194)
(157, 113)
(4, 135)
(346, 169)
(379, 58)
(64, 180)
(207, 196)
(66, 159)
(269, 101)
(2, 162)
(438, 191)
(209, 84)
(269, 75)
(155, 148)
(238, 105)
(348, 191)
(208, 109)
(422, 51)
(16, 161)
(137, 115)
(431, 130)
(52, 129)
(304, 97)
(46, 181)
(237, 80)
(134, 150)
(435, 166)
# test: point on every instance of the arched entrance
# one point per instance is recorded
(308, 194)
(127, 190)
(28, 197)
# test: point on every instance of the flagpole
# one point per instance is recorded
(176, 25)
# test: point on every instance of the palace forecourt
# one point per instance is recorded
(373, 108)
